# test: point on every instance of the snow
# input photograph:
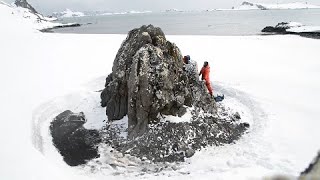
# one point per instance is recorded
(304, 28)
(272, 80)
(296, 5)
(176, 119)
(16, 16)
(258, 6)
(298, 27)
(68, 13)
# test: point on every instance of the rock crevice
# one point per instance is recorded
(148, 79)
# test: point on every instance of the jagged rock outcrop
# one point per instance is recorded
(148, 79)
(25, 4)
(75, 143)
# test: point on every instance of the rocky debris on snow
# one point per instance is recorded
(75, 143)
(174, 142)
(147, 79)
(313, 171)
(292, 28)
(25, 4)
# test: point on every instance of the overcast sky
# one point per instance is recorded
(49, 6)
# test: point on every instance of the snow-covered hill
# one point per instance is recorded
(28, 20)
(67, 14)
(261, 6)
(296, 5)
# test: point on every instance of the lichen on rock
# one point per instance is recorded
(148, 79)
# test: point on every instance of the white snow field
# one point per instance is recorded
(273, 81)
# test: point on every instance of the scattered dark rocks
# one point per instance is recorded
(75, 143)
(171, 142)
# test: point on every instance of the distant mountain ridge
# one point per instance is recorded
(297, 5)
(68, 13)
(258, 6)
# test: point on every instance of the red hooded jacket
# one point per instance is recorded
(205, 71)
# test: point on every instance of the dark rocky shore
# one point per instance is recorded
(282, 28)
(50, 30)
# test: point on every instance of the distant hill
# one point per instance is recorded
(297, 5)
(68, 13)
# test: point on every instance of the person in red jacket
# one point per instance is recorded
(205, 72)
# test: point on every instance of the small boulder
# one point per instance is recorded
(75, 143)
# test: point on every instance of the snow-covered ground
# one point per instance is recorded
(272, 80)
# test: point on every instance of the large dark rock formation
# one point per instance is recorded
(25, 4)
(75, 143)
(147, 80)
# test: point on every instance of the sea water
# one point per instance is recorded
(249, 22)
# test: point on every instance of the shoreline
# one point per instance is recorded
(49, 30)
